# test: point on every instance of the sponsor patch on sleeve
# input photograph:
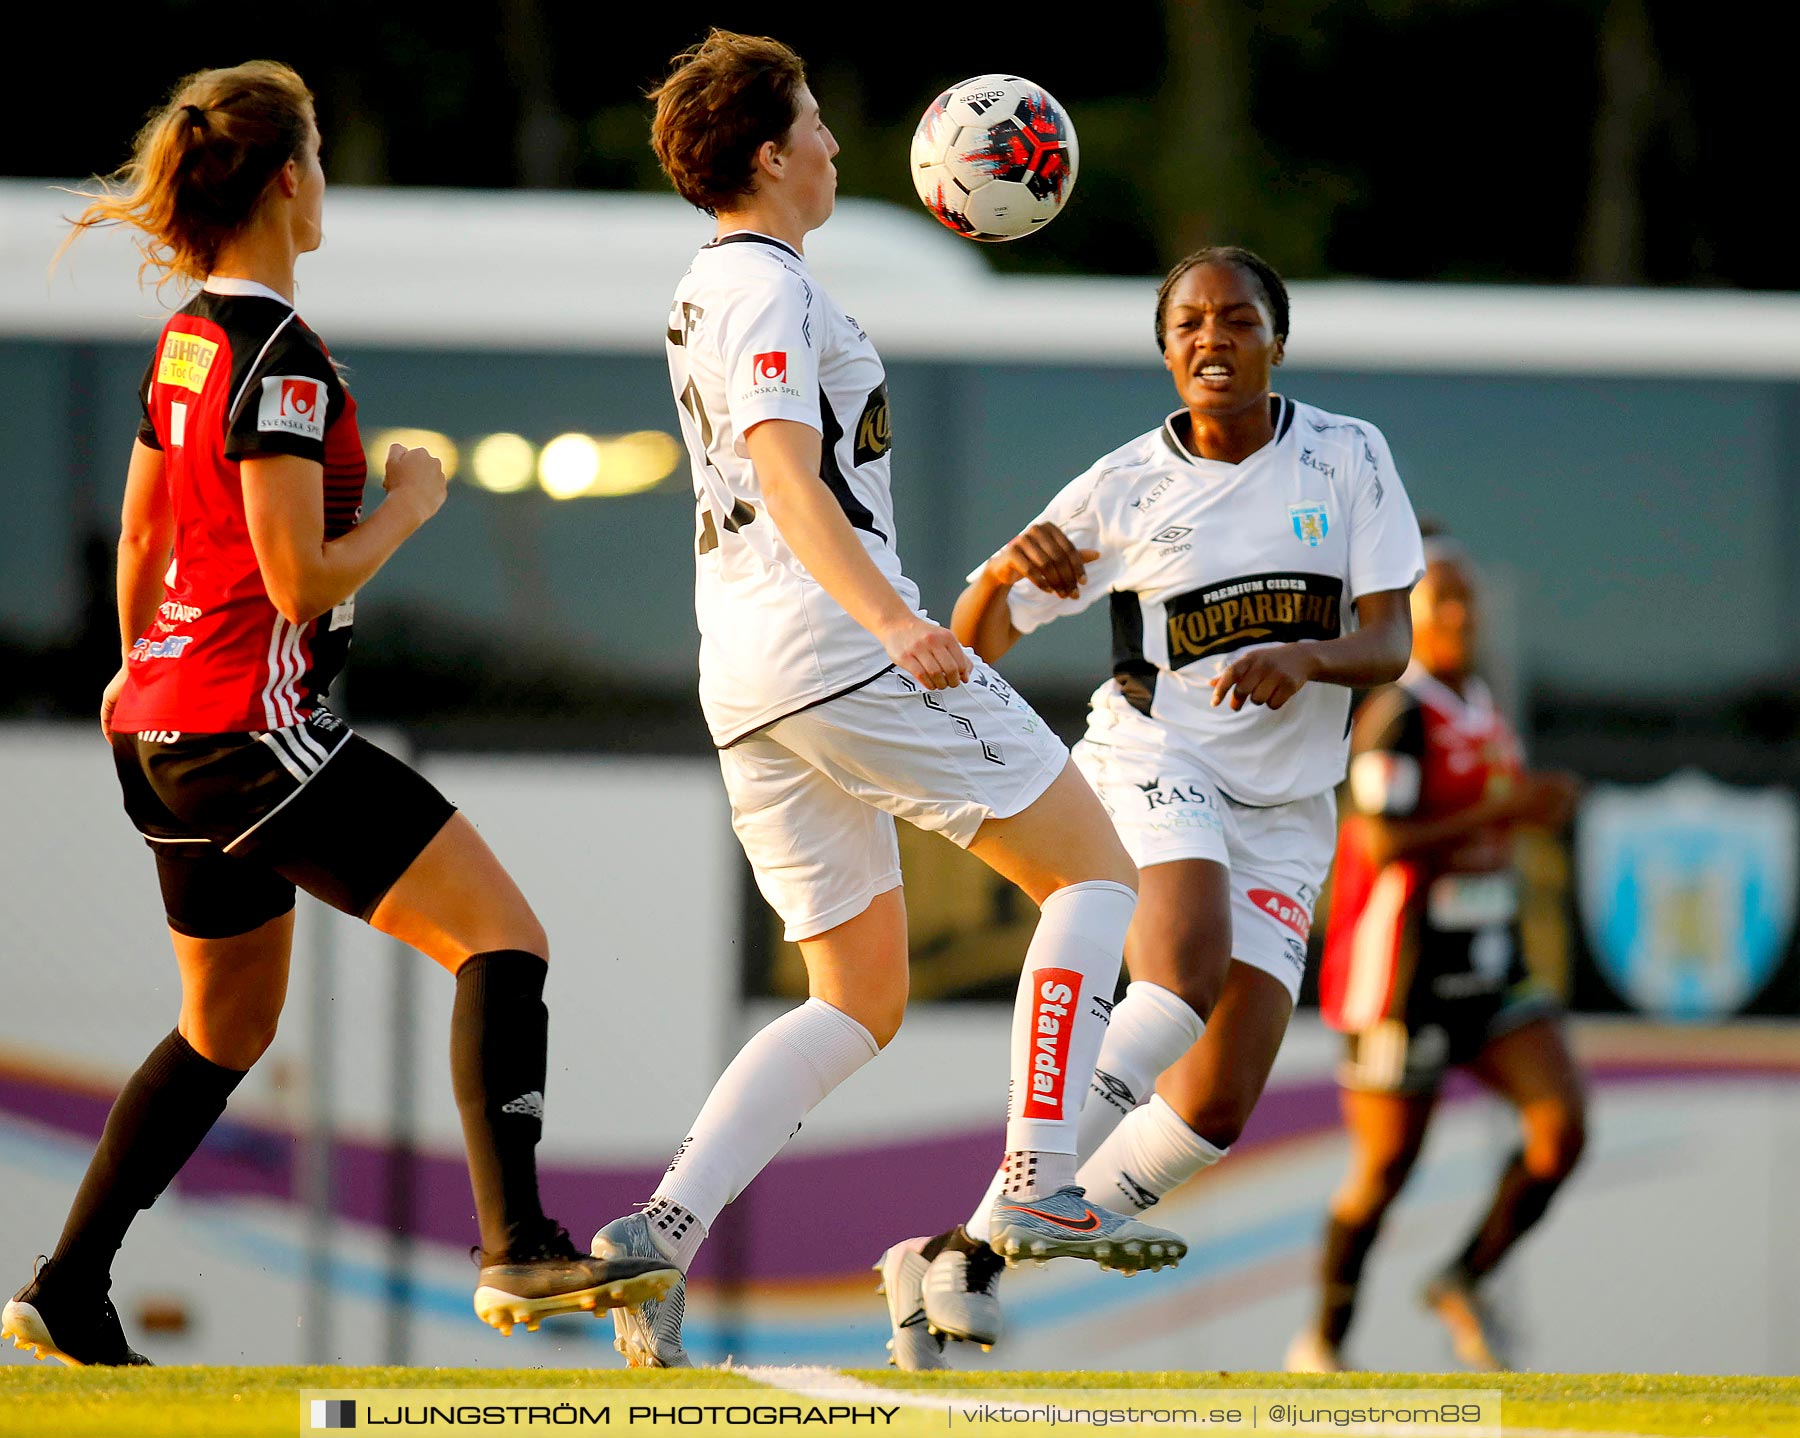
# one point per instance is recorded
(292, 404)
(769, 377)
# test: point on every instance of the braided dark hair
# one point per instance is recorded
(1274, 291)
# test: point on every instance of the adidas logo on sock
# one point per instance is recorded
(530, 1104)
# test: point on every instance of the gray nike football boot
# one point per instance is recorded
(1065, 1225)
(647, 1333)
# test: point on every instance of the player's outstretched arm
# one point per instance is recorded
(786, 455)
(1044, 555)
(284, 505)
(1375, 653)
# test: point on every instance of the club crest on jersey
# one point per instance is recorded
(1310, 523)
(292, 404)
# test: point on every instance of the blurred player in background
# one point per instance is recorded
(1423, 968)
(1256, 554)
(242, 548)
(838, 706)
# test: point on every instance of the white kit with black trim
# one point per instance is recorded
(1202, 560)
(752, 336)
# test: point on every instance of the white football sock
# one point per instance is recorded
(1059, 1019)
(1149, 1154)
(758, 1102)
(675, 1231)
(976, 1225)
(1151, 1028)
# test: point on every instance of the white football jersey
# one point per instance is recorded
(1202, 560)
(752, 336)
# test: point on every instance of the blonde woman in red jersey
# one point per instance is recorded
(1423, 970)
(241, 551)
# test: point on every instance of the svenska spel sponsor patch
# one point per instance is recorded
(292, 404)
(185, 360)
(1054, 996)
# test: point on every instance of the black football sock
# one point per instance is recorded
(499, 1032)
(156, 1123)
(1520, 1200)
(1346, 1247)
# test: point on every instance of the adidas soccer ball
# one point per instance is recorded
(994, 158)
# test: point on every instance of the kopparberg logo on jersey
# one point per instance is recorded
(874, 431)
(185, 361)
(1253, 609)
(1310, 522)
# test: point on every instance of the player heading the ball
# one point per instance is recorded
(839, 706)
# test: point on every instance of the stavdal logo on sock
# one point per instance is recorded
(530, 1104)
(1054, 996)
(334, 1413)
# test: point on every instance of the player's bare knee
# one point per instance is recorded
(880, 1012)
(526, 935)
(1188, 958)
(1220, 1118)
(1115, 867)
(1554, 1141)
(884, 1024)
(236, 1042)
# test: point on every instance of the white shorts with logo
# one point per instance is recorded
(814, 796)
(1167, 809)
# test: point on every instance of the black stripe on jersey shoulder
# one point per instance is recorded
(751, 237)
(1281, 411)
(288, 346)
(1391, 720)
(1172, 441)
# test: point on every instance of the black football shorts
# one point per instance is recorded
(1449, 1018)
(237, 821)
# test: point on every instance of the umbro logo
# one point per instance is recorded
(1172, 535)
(1141, 1197)
(530, 1104)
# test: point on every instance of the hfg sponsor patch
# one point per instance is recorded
(292, 404)
(1054, 996)
(185, 360)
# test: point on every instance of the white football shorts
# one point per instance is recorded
(1166, 809)
(814, 796)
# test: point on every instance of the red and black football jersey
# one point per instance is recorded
(1419, 750)
(237, 374)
